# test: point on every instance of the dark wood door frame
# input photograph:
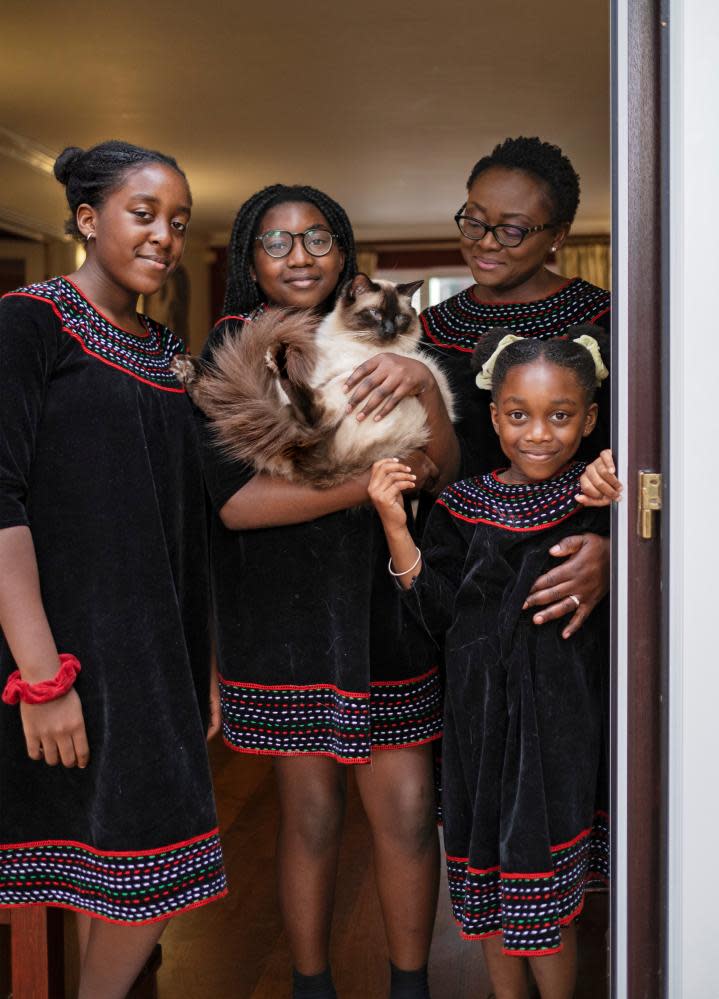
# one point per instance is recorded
(640, 891)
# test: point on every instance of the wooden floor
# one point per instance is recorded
(236, 949)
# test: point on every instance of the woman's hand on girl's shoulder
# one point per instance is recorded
(599, 484)
(382, 381)
(389, 479)
(55, 731)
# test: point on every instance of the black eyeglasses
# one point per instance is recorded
(506, 235)
(279, 242)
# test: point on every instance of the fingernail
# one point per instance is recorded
(525, 605)
(566, 634)
(360, 416)
(538, 619)
(349, 407)
(554, 550)
(377, 419)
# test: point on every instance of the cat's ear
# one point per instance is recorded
(409, 289)
(359, 285)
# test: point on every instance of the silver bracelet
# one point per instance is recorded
(405, 571)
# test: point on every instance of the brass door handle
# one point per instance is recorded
(649, 502)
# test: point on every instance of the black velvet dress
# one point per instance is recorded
(314, 655)
(523, 769)
(99, 457)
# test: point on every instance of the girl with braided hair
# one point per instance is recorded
(314, 667)
(523, 791)
(106, 802)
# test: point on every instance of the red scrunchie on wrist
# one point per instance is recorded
(17, 689)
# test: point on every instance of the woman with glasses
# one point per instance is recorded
(314, 667)
(521, 201)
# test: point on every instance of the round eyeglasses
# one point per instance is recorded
(506, 235)
(279, 242)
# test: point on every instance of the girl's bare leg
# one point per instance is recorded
(397, 791)
(556, 975)
(114, 957)
(312, 793)
(508, 974)
(83, 923)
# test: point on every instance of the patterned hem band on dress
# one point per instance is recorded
(119, 887)
(529, 908)
(322, 720)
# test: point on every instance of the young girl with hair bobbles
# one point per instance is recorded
(313, 667)
(523, 790)
(106, 803)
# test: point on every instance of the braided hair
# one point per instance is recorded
(89, 175)
(544, 161)
(559, 350)
(242, 294)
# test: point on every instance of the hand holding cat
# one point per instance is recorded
(389, 479)
(599, 484)
(384, 380)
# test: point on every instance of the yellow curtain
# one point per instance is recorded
(367, 262)
(588, 259)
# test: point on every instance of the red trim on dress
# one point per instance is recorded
(504, 527)
(138, 336)
(441, 343)
(399, 683)
(110, 853)
(329, 686)
(224, 319)
(293, 686)
(86, 349)
(119, 922)
(327, 753)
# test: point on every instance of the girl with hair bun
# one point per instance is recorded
(523, 796)
(107, 804)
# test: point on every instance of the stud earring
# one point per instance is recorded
(554, 249)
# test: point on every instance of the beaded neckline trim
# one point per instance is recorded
(145, 358)
(457, 322)
(485, 499)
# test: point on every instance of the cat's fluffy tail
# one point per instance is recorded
(256, 392)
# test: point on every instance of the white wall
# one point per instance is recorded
(694, 498)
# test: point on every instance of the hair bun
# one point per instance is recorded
(66, 163)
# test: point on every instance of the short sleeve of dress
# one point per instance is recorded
(223, 476)
(28, 353)
(445, 544)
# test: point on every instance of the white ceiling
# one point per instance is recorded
(386, 105)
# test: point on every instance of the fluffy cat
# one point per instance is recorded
(274, 395)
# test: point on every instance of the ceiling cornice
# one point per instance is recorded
(27, 151)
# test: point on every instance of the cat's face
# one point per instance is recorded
(378, 312)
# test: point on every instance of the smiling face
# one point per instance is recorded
(138, 232)
(513, 197)
(541, 414)
(299, 279)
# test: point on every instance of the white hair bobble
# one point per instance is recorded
(600, 369)
(484, 378)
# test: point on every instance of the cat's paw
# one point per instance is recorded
(271, 361)
(185, 368)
